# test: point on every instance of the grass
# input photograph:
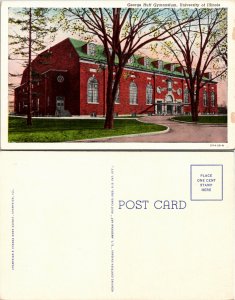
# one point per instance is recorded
(62, 130)
(204, 119)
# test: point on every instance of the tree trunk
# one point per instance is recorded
(112, 88)
(194, 112)
(29, 115)
(109, 100)
(194, 107)
(109, 115)
(194, 115)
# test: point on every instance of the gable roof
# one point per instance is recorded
(100, 56)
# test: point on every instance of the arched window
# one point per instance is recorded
(212, 98)
(169, 98)
(205, 98)
(149, 94)
(186, 96)
(133, 93)
(92, 90)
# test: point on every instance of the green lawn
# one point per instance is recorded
(204, 119)
(62, 130)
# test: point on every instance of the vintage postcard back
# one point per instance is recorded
(139, 226)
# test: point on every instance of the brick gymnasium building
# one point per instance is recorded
(70, 79)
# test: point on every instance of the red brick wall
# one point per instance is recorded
(74, 88)
(63, 57)
(88, 70)
(141, 80)
(209, 108)
(48, 89)
(124, 107)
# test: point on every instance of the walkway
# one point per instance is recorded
(179, 133)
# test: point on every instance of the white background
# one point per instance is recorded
(62, 215)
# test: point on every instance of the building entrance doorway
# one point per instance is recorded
(59, 105)
(179, 109)
(169, 109)
(158, 108)
(169, 104)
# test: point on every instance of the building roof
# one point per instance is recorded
(100, 57)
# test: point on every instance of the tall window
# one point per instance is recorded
(149, 94)
(212, 98)
(117, 98)
(146, 62)
(169, 85)
(91, 49)
(186, 96)
(160, 64)
(92, 90)
(133, 93)
(204, 98)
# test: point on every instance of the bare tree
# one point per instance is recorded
(122, 32)
(199, 46)
(29, 29)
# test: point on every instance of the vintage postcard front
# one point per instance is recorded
(117, 75)
(111, 226)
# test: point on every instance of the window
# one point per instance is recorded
(169, 98)
(179, 91)
(186, 96)
(91, 49)
(212, 98)
(204, 98)
(133, 93)
(146, 62)
(117, 98)
(130, 60)
(149, 94)
(169, 85)
(160, 64)
(92, 90)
